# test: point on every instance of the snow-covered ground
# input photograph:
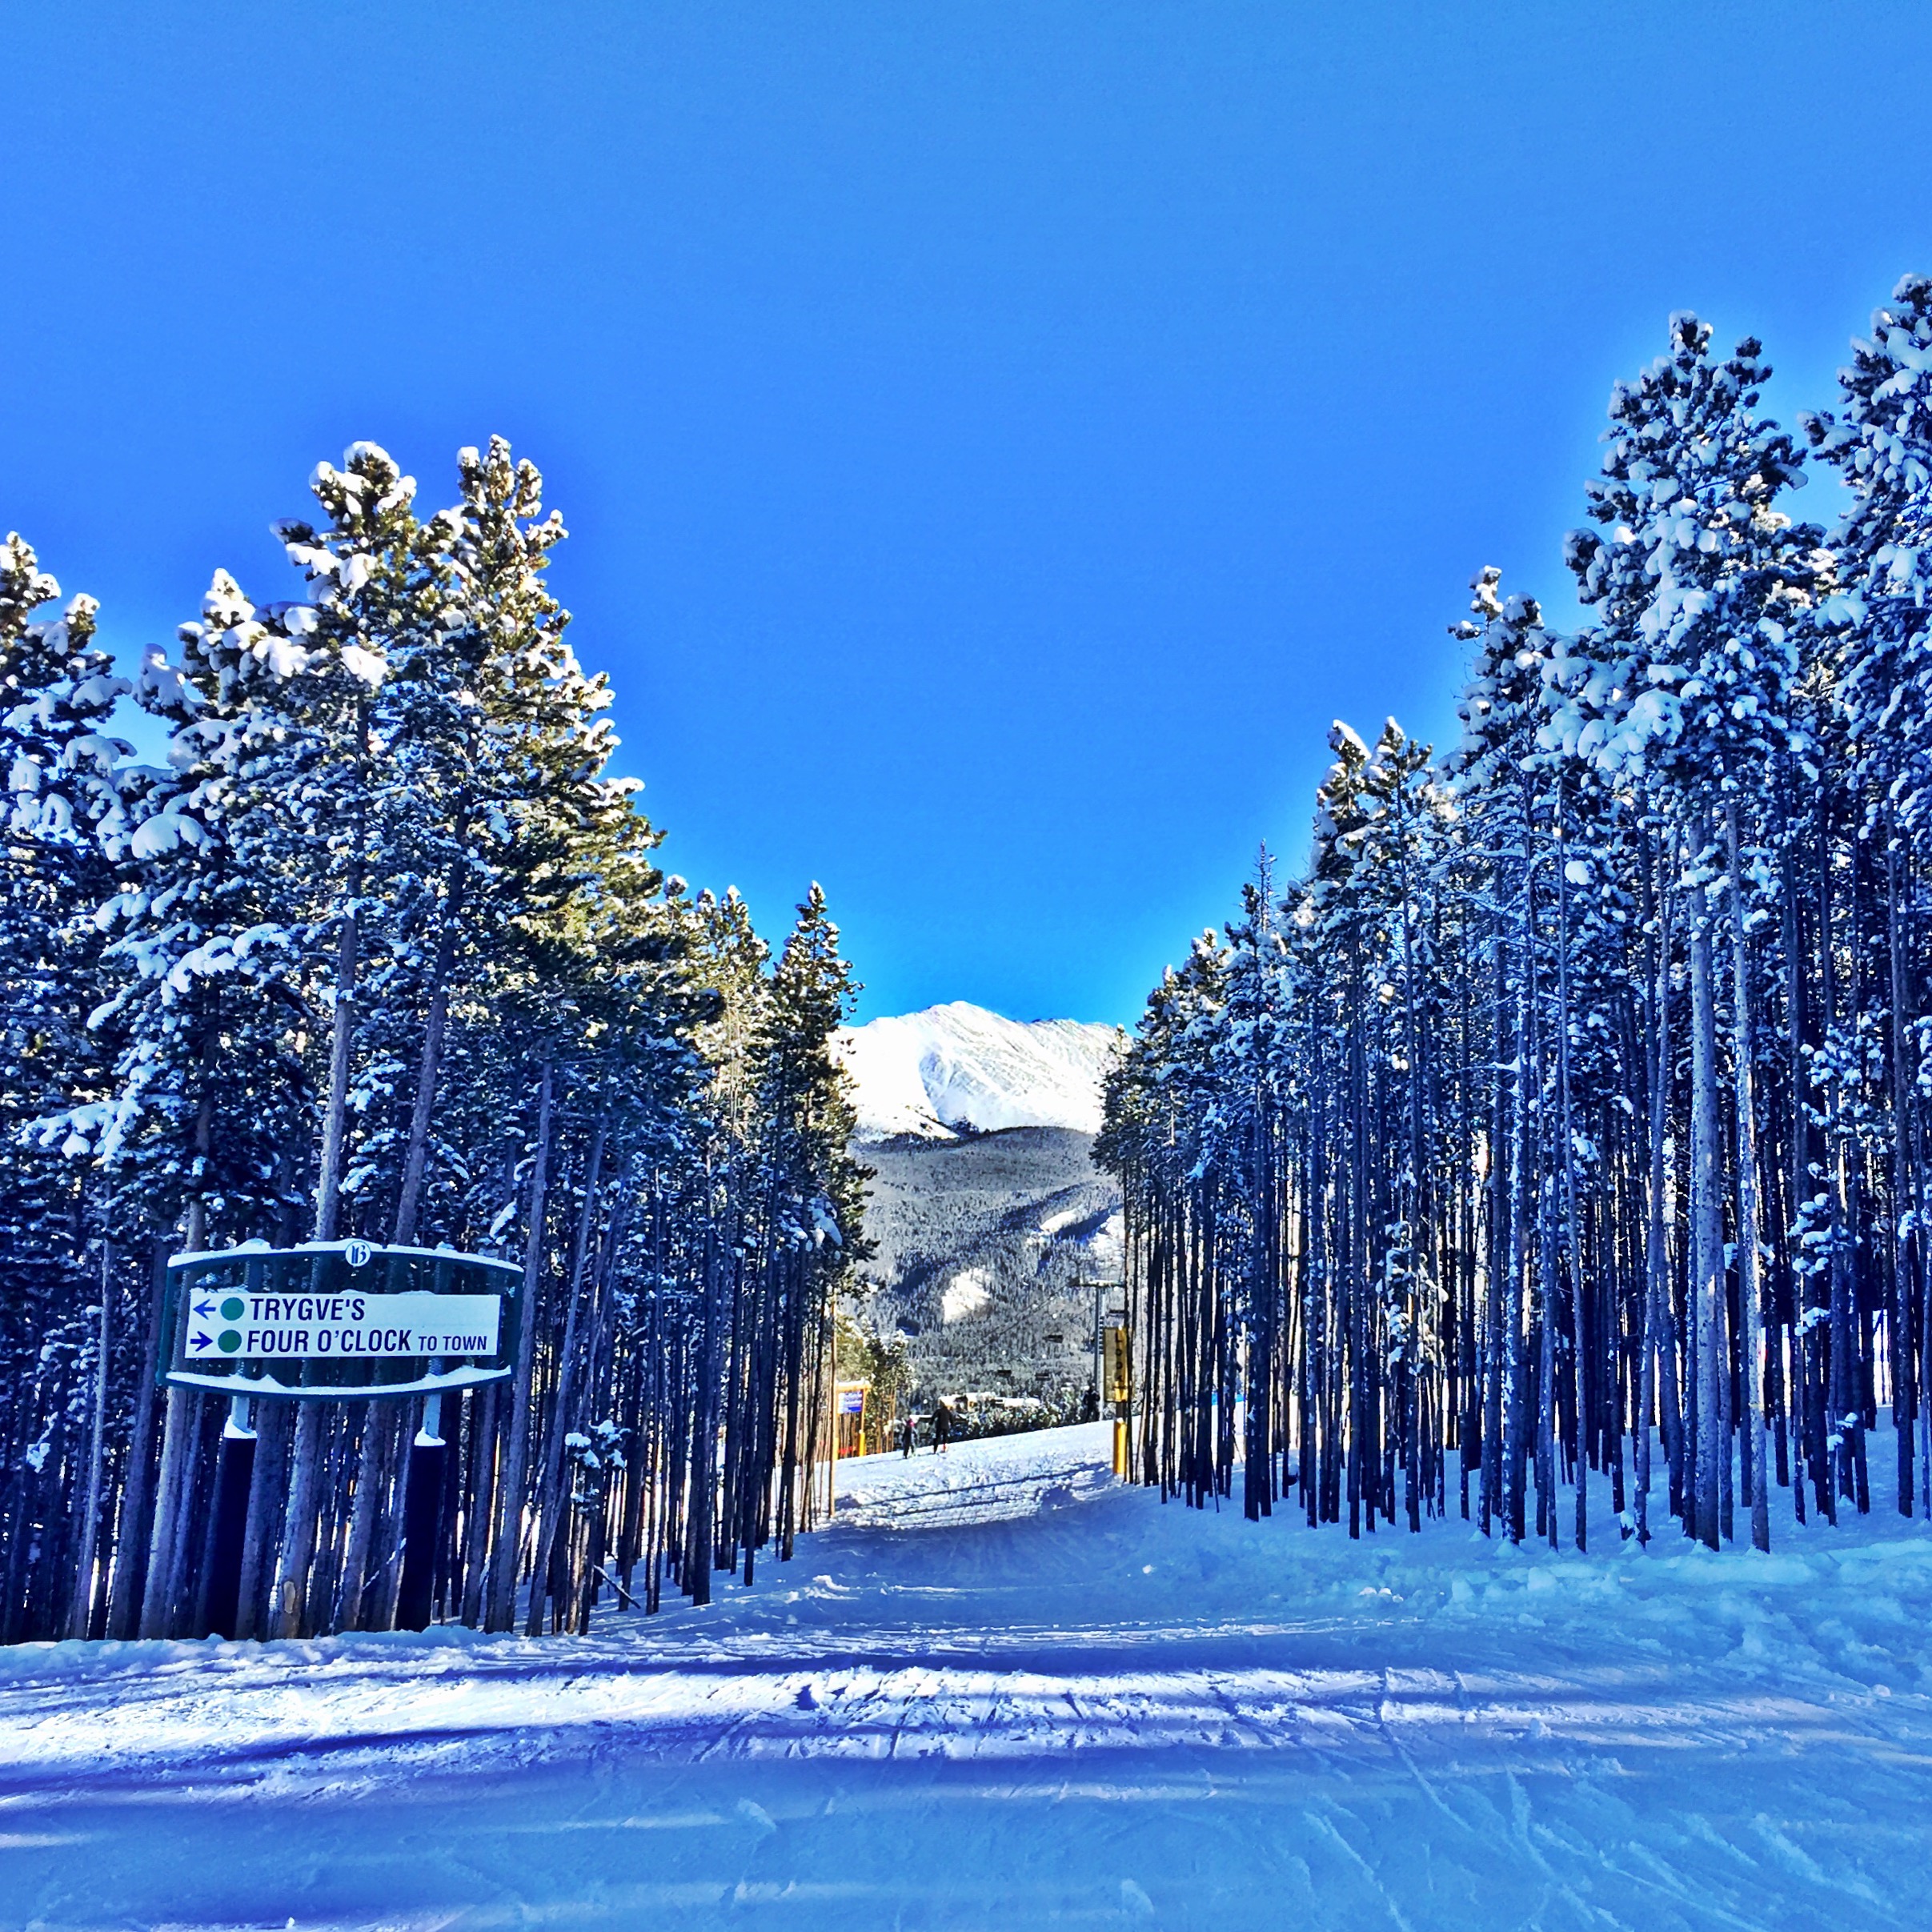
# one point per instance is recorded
(1005, 1691)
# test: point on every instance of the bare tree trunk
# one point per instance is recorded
(550, 1503)
(285, 1614)
(1658, 1374)
(335, 1120)
(1496, 1256)
(80, 1620)
(416, 1156)
(1578, 1335)
(1906, 1396)
(370, 1461)
(267, 1485)
(1749, 1299)
(698, 1552)
(1515, 1396)
(483, 1498)
(124, 1604)
(1706, 1211)
(510, 1506)
(379, 1601)
(166, 1543)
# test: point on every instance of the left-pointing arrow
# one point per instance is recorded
(204, 1310)
(201, 1341)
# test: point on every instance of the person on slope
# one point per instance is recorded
(942, 1425)
(909, 1437)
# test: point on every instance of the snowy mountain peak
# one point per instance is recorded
(957, 1067)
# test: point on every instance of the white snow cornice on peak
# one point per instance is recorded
(957, 1068)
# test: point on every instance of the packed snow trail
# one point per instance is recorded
(1004, 1690)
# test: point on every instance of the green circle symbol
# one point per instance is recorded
(233, 1308)
(231, 1340)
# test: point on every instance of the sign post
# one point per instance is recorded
(1120, 1389)
(336, 1321)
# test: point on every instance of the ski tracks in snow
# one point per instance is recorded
(1005, 1689)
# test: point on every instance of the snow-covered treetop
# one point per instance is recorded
(57, 692)
(1698, 576)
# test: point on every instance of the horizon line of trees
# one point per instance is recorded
(1569, 1112)
(382, 950)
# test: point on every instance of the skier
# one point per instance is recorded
(909, 1437)
(942, 1426)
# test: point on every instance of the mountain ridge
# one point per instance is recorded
(956, 1068)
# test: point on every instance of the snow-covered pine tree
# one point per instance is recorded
(57, 1315)
(1714, 578)
(383, 946)
(1687, 826)
(1494, 775)
(1873, 627)
(375, 585)
(205, 1119)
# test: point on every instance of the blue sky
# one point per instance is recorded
(996, 438)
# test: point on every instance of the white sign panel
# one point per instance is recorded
(232, 1325)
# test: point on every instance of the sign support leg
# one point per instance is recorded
(422, 1515)
(232, 1476)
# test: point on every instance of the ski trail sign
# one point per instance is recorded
(339, 1319)
(330, 1327)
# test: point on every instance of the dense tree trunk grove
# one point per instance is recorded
(381, 951)
(1569, 1113)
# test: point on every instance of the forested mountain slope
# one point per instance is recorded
(985, 1210)
(983, 1246)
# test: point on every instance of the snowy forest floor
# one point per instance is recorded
(1004, 1690)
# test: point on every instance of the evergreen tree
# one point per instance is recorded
(382, 947)
(1592, 1081)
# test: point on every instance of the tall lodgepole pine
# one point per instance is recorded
(1707, 1206)
(1750, 1291)
(179, 1418)
(550, 1501)
(80, 1620)
(502, 1614)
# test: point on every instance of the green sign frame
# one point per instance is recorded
(324, 1279)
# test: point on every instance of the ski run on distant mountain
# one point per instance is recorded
(957, 1068)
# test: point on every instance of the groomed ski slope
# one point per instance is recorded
(1004, 1691)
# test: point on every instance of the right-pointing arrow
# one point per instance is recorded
(201, 1341)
